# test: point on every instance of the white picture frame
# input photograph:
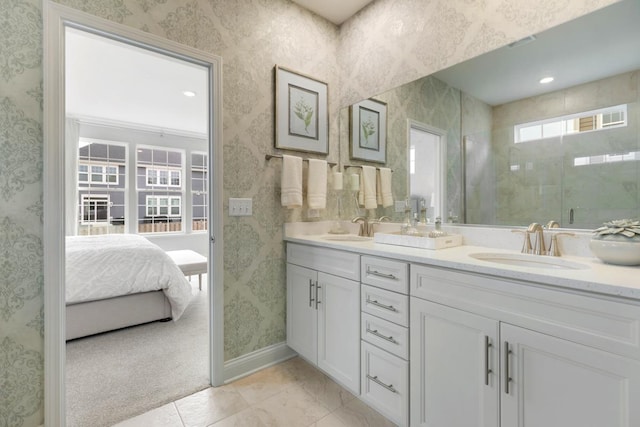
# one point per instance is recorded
(302, 121)
(368, 131)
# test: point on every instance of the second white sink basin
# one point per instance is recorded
(526, 260)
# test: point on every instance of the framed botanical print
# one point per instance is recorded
(302, 121)
(368, 131)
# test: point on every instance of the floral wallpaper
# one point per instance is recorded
(358, 60)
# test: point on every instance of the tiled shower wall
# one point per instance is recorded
(360, 60)
(546, 184)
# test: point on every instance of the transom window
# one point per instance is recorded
(588, 121)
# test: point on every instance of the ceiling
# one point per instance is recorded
(116, 82)
(601, 44)
(336, 11)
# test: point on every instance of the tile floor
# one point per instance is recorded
(290, 394)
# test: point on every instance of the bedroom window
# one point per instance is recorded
(102, 189)
(95, 208)
(160, 188)
(199, 191)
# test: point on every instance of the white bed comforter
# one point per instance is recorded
(106, 266)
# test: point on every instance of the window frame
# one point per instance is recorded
(158, 205)
(154, 170)
(88, 198)
(597, 115)
(103, 172)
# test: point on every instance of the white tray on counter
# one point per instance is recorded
(421, 242)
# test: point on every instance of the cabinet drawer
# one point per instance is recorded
(331, 261)
(610, 325)
(390, 306)
(386, 335)
(385, 273)
(385, 383)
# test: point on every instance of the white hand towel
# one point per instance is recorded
(317, 184)
(369, 178)
(291, 183)
(385, 185)
(361, 189)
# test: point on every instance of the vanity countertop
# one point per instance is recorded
(598, 277)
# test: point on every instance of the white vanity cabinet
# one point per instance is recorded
(385, 337)
(493, 352)
(323, 310)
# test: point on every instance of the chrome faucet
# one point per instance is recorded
(539, 246)
(367, 226)
(364, 225)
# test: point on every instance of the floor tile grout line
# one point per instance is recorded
(179, 414)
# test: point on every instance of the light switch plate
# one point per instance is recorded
(240, 207)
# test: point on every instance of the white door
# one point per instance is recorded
(339, 329)
(301, 312)
(557, 383)
(454, 367)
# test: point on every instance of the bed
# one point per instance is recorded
(119, 280)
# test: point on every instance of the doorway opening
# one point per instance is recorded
(427, 169)
(123, 164)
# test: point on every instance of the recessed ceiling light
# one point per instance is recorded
(189, 93)
(546, 80)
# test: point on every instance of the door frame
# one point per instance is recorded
(441, 163)
(56, 19)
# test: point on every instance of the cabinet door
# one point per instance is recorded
(301, 312)
(557, 383)
(454, 367)
(339, 330)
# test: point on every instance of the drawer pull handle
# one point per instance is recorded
(507, 369)
(311, 299)
(386, 307)
(317, 297)
(379, 335)
(377, 273)
(380, 383)
(487, 369)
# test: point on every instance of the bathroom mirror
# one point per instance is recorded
(520, 151)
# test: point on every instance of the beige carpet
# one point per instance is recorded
(116, 375)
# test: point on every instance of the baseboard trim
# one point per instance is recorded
(251, 362)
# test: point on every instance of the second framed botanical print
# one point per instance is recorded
(368, 131)
(302, 121)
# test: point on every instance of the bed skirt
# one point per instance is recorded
(93, 317)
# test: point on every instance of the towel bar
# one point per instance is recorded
(279, 156)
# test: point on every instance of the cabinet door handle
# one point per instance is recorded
(386, 307)
(379, 335)
(380, 383)
(311, 300)
(507, 367)
(317, 297)
(377, 273)
(487, 369)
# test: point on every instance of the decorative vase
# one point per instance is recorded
(616, 249)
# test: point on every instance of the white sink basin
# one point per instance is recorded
(526, 260)
(347, 238)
